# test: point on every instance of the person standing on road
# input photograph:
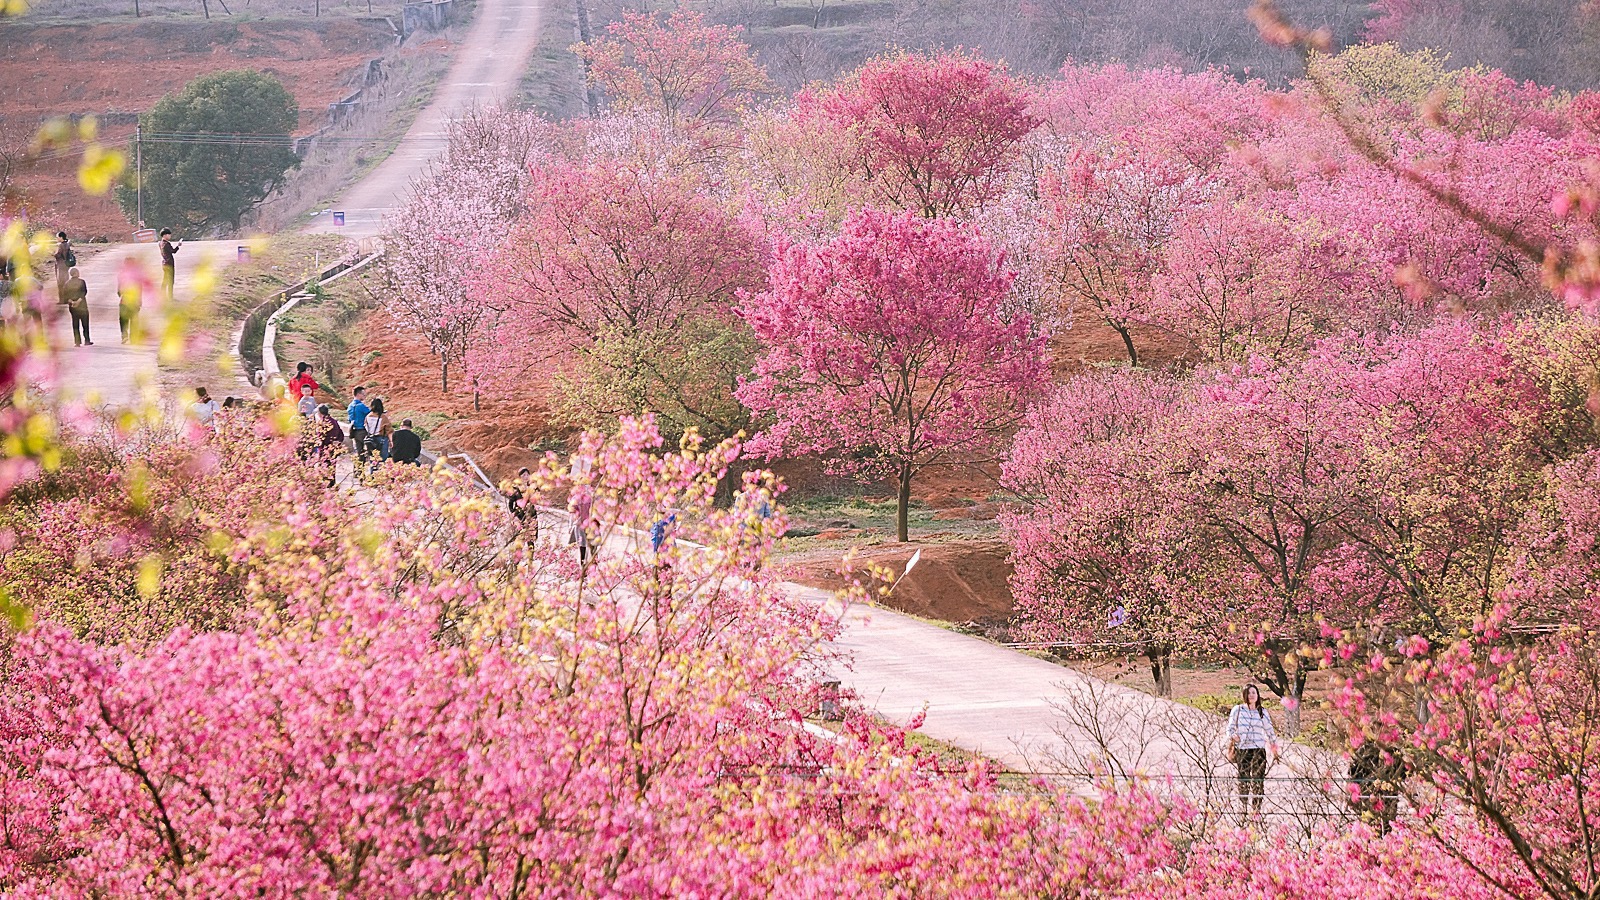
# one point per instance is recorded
(582, 508)
(659, 535)
(378, 430)
(75, 294)
(407, 447)
(1251, 741)
(357, 413)
(65, 261)
(169, 263)
(130, 298)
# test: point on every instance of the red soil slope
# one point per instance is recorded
(125, 67)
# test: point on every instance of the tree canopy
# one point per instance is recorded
(213, 151)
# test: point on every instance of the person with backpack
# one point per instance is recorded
(169, 263)
(357, 413)
(1251, 741)
(75, 294)
(378, 430)
(66, 260)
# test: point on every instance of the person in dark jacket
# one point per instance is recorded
(65, 260)
(75, 294)
(523, 506)
(330, 443)
(169, 263)
(406, 446)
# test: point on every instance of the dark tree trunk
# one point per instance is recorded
(1160, 658)
(1127, 342)
(902, 523)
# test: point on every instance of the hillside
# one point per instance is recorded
(118, 68)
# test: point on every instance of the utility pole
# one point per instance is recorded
(138, 172)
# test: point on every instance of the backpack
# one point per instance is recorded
(72, 258)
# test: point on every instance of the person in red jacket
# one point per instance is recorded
(303, 384)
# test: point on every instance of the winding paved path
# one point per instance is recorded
(488, 66)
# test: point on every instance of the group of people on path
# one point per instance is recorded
(73, 292)
(372, 436)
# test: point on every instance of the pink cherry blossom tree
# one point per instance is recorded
(1373, 483)
(423, 706)
(936, 135)
(434, 242)
(1101, 560)
(1120, 160)
(697, 77)
(621, 281)
(1107, 219)
(888, 344)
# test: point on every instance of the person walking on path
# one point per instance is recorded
(521, 505)
(169, 263)
(204, 408)
(582, 507)
(75, 294)
(1251, 740)
(308, 406)
(357, 413)
(378, 430)
(303, 384)
(65, 261)
(407, 447)
(130, 298)
(658, 537)
(327, 452)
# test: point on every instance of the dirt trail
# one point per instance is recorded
(488, 66)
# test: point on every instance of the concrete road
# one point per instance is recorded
(1030, 714)
(1035, 716)
(111, 373)
(488, 66)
